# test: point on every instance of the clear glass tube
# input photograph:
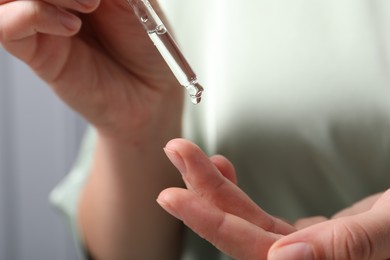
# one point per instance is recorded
(168, 48)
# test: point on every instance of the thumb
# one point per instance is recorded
(361, 236)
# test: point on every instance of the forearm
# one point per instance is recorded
(119, 217)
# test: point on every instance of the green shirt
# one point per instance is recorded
(297, 96)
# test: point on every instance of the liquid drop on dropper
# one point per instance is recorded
(195, 91)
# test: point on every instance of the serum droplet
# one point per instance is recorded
(195, 91)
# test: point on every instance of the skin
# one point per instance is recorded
(97, 58)
(215, 208)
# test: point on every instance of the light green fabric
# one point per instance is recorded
(297, 96)
(66, 195)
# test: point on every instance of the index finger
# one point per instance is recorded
(201, 176)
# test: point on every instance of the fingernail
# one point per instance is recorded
(68, 20)
(163, 202)
(176, 159)
(87, 3)
(297, 251)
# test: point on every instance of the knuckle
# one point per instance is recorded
(351, 241)
(13, 16)
(35, 13)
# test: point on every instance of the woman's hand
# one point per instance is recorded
(97, 58)
(359, 232)
(215, 208)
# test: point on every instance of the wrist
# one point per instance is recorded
(148, 134)
(148, 124)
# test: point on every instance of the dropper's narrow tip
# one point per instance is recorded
(195, 91)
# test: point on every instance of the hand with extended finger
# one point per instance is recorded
(215, 208)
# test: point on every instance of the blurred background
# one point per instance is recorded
(39, 140)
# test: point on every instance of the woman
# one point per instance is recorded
(296, 96)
